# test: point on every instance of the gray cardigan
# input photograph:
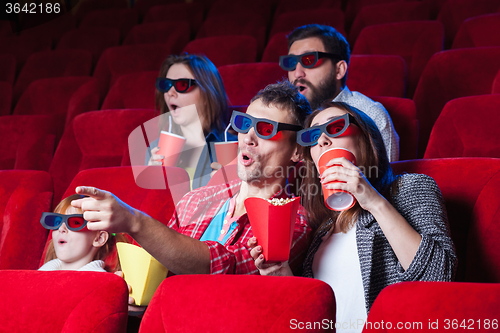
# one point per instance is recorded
(418, 199)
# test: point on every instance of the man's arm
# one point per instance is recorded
(179, 253)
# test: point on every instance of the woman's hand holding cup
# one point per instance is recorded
(156, 159)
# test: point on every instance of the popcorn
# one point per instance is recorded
(280, 201)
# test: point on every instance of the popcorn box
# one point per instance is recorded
(273, 223)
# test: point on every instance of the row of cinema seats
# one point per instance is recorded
(470, 189)
(100, 138)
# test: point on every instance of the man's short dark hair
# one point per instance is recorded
(333, 40)
(284, 95)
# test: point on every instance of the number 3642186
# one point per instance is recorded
(32, 8)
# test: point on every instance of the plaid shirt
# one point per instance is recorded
(195, 212)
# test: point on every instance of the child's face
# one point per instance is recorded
(74, 247)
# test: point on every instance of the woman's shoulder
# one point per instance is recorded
(414, 185)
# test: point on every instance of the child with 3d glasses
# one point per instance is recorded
(73, 246)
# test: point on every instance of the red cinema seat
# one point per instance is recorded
(403, 114)
(256, 76)
(454, 13)
(472, 199)
(132, 91)
(5, 98)
(495, 89)
(263, 8)
(435, 306)
(50, 97)
(445, 77)
(190, 12)
(122, 19)
(388, 13)
(288, 21)
(121, 181)
(225, 50)
(93, 39)
(86, 6)
(63, 301)
(120, 60)
(466, 127)
(276, 47)
(353, 7)
(24, 197)
(377, 75)
(286, 6)
(28, 142)
(21, 47)
(174, 34)
(414, 41)
(94, 140)
(143, 6)
(254, 25)
(47, 26)
(477, 32)
(281, 304)
(57, 63)
(8, 68)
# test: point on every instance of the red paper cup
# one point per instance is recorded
(171, 147)
(338, 200)
(226, 152)
(273, 226)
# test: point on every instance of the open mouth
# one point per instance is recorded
(246, 159)
(62, 242)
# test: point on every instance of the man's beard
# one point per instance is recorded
(325, 91)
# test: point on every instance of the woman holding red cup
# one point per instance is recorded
(396, 230)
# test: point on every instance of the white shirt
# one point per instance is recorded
(55, 265)
(337, 263)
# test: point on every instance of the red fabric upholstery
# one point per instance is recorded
(8, 68)
(231, 24)
(49, 26)
(466, 128)
(495, 89)
(470, 190)
(132, 91)
(24, 197)
(28, 142)
(256, 77)
(63, 301)
(87, 6)
(276, 47)
(388, 13)
(225, 50)
(229, 7)
(56, 63)
(121, 18)
(288, 21)
(93, 39)
(377, 75)
(191, 12)
(279, 304)
(87, 98)
(5, 98)
(23, 46)
(353, 7)
(445, 77)
(120, 60)
(286, 6)
(50, 97)
(404, 118)
(476, 32)
(454, 13)
(435, 306)
(174, 34)
(94, 140)
(414, 41)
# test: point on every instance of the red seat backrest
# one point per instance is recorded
(132, 91)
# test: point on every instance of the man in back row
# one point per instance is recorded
(317, 63)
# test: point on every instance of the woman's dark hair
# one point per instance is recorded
(373, 162)
(211, 87)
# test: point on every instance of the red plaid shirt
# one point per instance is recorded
(195, 212)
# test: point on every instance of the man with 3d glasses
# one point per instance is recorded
(210, 230)
(317, 62)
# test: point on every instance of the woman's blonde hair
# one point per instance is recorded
(107, 252)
